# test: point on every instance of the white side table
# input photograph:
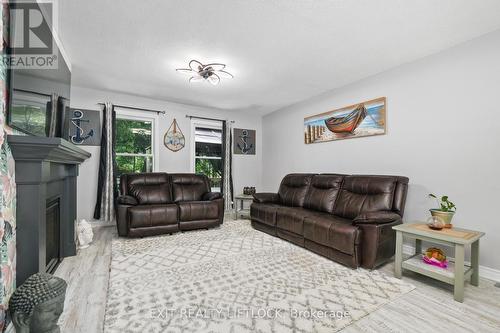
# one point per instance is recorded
(457, 271)
(240, 209)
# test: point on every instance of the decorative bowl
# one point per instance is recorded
(436, 257)
(435, 223)
(445, 216)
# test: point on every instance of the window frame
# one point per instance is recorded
(217, 125)
(138, 116)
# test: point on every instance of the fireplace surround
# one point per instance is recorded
(46, 172)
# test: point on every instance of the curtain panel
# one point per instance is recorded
(227, 177)
(106, 186)
(53, 116)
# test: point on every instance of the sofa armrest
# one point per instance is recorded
(210, 196)
(127, 200)
(378, 243)
(377, 218)
(266, 197)
(216, 197)
(123, 203)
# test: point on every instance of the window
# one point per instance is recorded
(208, 153)
(134, 145)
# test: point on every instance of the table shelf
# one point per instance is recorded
(447, 275)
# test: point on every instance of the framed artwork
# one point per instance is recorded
(174, 138)
(354, 121)
(244, 141)
(83, 127)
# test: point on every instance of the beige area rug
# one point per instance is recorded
(236, 279)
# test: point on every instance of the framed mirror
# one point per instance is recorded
(30, 112)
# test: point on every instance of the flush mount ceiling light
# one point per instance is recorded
(209, 72)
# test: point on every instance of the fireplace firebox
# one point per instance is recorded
(53, 235)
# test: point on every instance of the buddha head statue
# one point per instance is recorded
(38, 303)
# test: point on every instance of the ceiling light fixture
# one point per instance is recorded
(209, 72)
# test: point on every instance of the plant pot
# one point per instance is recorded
(445, 216)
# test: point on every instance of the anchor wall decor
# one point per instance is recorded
(244, 141)
(83, 127)
(77, 121)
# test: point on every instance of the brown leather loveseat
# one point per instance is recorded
(160, 203)
(347, 218)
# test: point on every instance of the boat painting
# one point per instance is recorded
(354, 121)
(347, 123)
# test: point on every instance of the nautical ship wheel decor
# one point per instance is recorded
(174, 139)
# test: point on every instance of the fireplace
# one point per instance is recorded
(52, 235)
(46, 171)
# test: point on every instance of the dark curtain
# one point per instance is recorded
(223, 153)
(62, 105)
(52, 116)
(227, 161)
(106, 186)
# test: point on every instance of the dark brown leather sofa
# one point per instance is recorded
(160, 203)
(347, 218)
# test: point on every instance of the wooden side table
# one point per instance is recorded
(239, 205)
(457, 272)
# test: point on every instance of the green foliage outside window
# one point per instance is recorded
(133, 164)
(212, 168)
(133, 137)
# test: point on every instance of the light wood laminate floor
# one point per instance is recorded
(428, 308)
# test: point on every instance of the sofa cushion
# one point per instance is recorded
(364, 194)
(148, 188)
(292, 218)
(293, 189)
(264, 213)
(189, 187)
(152, 215)
(198, 210)
(323, 192)
(332, 231)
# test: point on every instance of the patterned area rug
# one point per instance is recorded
(236, 279)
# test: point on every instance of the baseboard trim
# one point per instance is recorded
(484, 272)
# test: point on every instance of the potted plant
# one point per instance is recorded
(445, 211)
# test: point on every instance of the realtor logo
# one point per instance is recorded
(32, 44)
(32, 31)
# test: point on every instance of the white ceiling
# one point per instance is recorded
(280, 51)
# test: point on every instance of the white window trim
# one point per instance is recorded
(143, 116)
(200, 123)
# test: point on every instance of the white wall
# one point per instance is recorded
(246, 169)
(443, 122)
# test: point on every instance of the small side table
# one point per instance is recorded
(457, 272)
(239, 205)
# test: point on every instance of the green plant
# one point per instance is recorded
(445, 204)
